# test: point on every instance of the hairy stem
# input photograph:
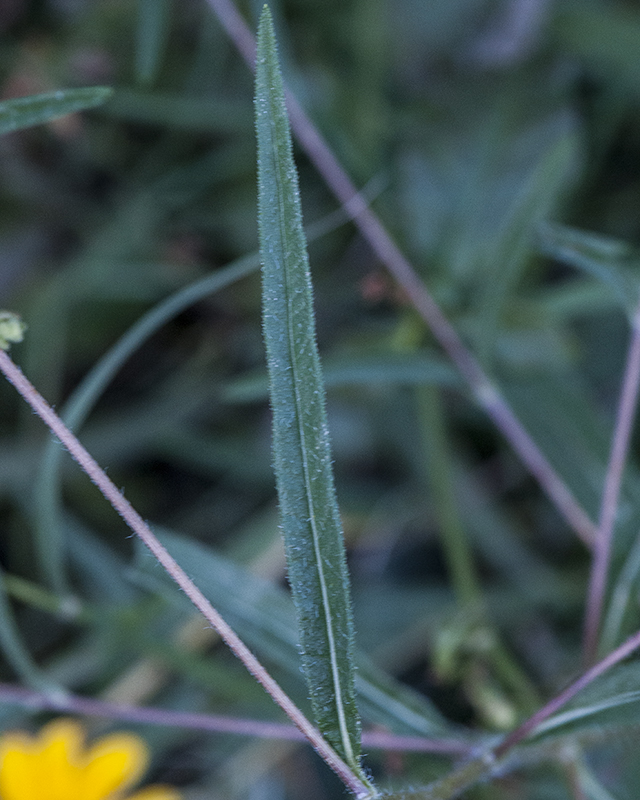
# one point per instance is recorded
(11, 694)
(140, 527)
(529, 725)
(611, 493)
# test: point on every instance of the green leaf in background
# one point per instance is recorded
(154, 17)
(263, 615)
(15, 651)
(613, 701)
(218, 115)
(604, 37)
(308, 505)
(23, 112)
(609, 260)
(48, 506)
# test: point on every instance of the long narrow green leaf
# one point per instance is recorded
(23, 112)
(310, 516)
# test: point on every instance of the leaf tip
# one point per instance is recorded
(266, 21)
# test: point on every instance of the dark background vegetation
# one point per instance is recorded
(469, 123)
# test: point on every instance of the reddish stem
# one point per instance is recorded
(140, 527)
(619, 448)
(529, 725)
(215, 723)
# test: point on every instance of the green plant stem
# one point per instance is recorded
(33, 595)
(456, 546)
(452, 535)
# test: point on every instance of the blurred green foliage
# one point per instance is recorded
(491, 136)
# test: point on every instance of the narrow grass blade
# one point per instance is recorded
(310, 516)
(23, 112)
(16, 653)
(47, 502)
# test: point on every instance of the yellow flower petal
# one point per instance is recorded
(46, 767)
(17, 777)
(114, 762)
(57, 760)
(57, 766)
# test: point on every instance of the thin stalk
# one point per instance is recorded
(487, 394)
(35, 596)
(529, 725)
(458, 553)
(510, 674)
(16, 653)
(11, 694)
(613, 481)
(140, 527)
(455, 544)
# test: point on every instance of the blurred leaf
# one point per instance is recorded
(496, 161)
(611, 701)
(154, 18)
(622, 607)
(615, 263)
(574, 435)
(100, 571)
(15, 651)
(604, 36)
(591, 787)
(310, 518)
(223, 115)
(541, 186)
(571, 299)
(84, 397)
(23, 112)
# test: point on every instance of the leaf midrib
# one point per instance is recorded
(344, 733)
